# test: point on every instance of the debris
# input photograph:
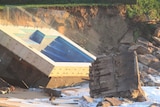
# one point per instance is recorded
(157, 54)
(52, 98)
(5, 90)
(152, 71)
(63, 101)
(104, 104)
(148, 70)
(5, 87)
(88, 99)
(155, 65)
(113, 101)
(147, 44)
(3, 83)
(143, 50)
(109, 102)
(116, 75)
(157, 32)
(153, 79)
(157, 40)
(51, 92)
(155, 105)
(147, 59)
(25, 84)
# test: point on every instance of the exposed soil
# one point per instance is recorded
(97, 29)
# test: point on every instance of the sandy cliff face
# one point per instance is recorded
(97, 29)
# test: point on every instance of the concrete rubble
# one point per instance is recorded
(148, 63)
(105, 68)
(5, 87)
(109, 102)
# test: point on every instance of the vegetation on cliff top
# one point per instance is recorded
(144, 10)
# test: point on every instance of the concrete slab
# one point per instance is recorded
(18, 42)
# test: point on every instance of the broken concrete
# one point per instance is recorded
(5, 87)
(140, 49)
(147, 69)
(147, 59)
(157, 40)
(109, 102)
(157, 32)
(157, 54)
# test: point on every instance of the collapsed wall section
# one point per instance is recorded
(115, 75)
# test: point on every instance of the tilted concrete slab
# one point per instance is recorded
(29, 54)
(16, 39)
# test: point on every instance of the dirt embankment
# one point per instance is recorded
(97, 29)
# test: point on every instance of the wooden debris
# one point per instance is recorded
(140, 49)
(148, 44)
(157, 54)
(3, 83)
(116, 75)
(88, 99)
(5, 87)
(155, 65)
(110, 102)
(113, 101)
(157, 40)
(157, 32)
(104, 104)
(51, 92)
(6, 90)
(147, 59)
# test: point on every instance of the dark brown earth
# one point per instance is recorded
(97, 29)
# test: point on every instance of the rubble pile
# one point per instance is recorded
(148, 61)
(123, 73)
(5, 87)
(109, 102)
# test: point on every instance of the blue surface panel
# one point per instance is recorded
(60, 50)
(37, 36)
